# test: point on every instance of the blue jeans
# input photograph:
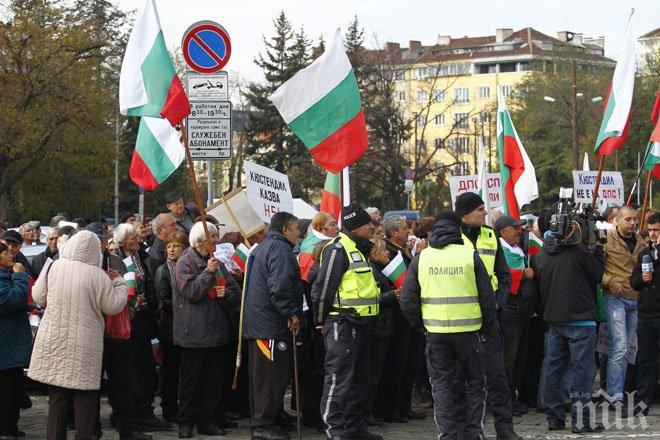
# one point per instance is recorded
(622, 320)
(575, 346)
(565, 382)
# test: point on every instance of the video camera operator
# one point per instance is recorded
(567, 272)
(644, 280)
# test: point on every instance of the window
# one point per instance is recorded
(506, 91)
(422, 96)
(486, 141)
(461, 169)
(401, 96)
(525, 66)
(507, 67)
(462, 95)
(421, 73)
(484, 92)
(439, 143)
(421, 121)
(400, 75)
(439, 95)
(461, 120)
(484, 117)
(420, 144)
(487, 68)
(462, 144)
(440, 120)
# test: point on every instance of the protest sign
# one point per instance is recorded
(236, 213)
(267, 190)
(460, 184)
(610, 189)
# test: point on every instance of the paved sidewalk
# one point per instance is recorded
(531, 426)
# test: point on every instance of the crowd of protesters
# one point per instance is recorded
(94, 323)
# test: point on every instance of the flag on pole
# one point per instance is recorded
(515, 259)
(535, 244)
(158, 153)
(148, 84)
(396, 270)
(241, 256)
(652, 162)
(616, 117)
(307, 247)
(331, 196)
(322, 106)
(482, 178)
(129, 276)
(519, 185)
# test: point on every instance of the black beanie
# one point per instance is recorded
(467, 202)
(353, 216)
(448, 215)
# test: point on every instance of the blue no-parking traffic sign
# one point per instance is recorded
(206, 47)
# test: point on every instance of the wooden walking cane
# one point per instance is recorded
(296, 381)
(239, 355)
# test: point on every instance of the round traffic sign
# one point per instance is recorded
(206, 47)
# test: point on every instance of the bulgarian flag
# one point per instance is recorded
(129, 276)
(331, 197)
(515, 259)
(149, 85)
(307, 247)
(616, 117)
(535, 244)
(158, 153)
(322, 106)
(519, 185)
(652, 161)
(396, 270)
(241, 256)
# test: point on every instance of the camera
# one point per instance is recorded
(575, 224)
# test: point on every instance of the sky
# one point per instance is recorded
(247, 21)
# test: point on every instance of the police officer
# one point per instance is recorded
(345, 302)
(470, 207)
(448, 292)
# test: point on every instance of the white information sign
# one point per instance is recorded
(208, 87)
(267, 190)
(610, 189)
(209, 130)
(460, 184)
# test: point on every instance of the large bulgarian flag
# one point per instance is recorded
(307, 247)
(322, 106)
(613, 131)
(396, 270)
(515, 259)
(331, 196)
(149, 87)
(652, 161)
(518, 177)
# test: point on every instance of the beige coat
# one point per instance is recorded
(76, 292)
(619, 263)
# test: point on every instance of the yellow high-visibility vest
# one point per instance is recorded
(487, 249)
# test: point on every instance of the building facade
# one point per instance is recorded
(649, 46)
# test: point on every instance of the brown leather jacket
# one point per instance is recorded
(620, 263)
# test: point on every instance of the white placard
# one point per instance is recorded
(208, 87)
(236, 213)
(461, 184)
(267, 190)
(610, 189)
(209, 133)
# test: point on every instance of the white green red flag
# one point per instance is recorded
(652, 162)
(158, 153)
(535, 244)
(241, 256)
(515, 259)
(396, 270)
(129, 276)
(614, 128)
(307, 247)
(149, 85)
(322, 106)
(331, 196)
(482, 178)
(518, 177)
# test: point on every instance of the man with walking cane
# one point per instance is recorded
(273, 303)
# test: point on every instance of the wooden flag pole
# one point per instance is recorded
(645, 205)
(594, 199)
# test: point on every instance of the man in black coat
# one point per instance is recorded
(272, 310)
(162, 226)
(567, 276)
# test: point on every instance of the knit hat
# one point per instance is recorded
(467, 202)
(353, 216)
(448, 215)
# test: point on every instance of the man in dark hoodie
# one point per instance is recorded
(345, 299)
(567, 275)
(476, 235)
(448, 292)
